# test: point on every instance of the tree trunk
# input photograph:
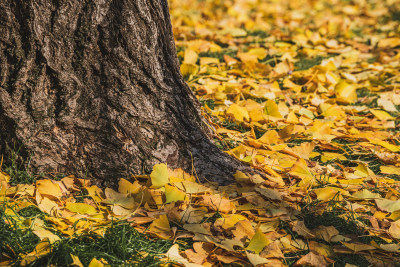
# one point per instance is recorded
(95, 87)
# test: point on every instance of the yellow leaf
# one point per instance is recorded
(81, 208)
(300, 169)
(229, 221)
(389, 42)
(126, 187)
(258, 242)
(4, 177)
(190, 57)
(97, 263)
(41, 249)
(394, 229)
(257, 260)
(173, 194)
(271, 109)
(95, 193)
(238, 113)
(191, 187)
(332, 156)
(357, 247)
(121, 211)
(270, 138)
(328, 193)
(312, 259)
(388, 205)
(321, 249)
(173, 255)
(381, 115)
(48, 206)
(76, 261)
(345, 93)
(208, 60)
(47, 187)
(365, 194)
(243, 230)
(188, 69)
(161, 227)
(260, 52)
(390, 170)
(46, 234)
(159, 175)
(292, 118)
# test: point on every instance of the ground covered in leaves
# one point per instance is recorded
(306, 91)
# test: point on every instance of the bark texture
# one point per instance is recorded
(93, 86)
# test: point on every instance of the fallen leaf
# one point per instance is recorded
(159, 175)
(258, 242)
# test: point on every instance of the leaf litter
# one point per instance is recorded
(307, 92)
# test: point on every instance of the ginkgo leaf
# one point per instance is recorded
(76, 261)
(48, 206)
(41, 249)
(46, 234)
(160, 225)
(159, 175)
(258, 242)
(365, 194)
(312, 259)
(388, 205)
(229, 221)
(190, 57)
(97, 263)
(390, 170)
(4, 177)
(173, 255)
(188, 69)
(238, 113)
(328, 193)
(256, 260)
(345, 93)
(381, 115)
(173, 194)
(271, 110)
(47, 187)
(192, 187)
(81, 208)
(301, 170)
(394, 229)
(126, 187)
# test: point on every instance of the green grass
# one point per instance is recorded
(306, 63)
(19, 170)
(14, 240)
(121, 245)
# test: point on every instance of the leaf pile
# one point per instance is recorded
(307, 92)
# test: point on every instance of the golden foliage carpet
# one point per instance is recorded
(306, 91)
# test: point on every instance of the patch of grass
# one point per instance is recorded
(14, 240)
(219, 55)
(234, 126)
(209, 102)
(354, 259)
(306, 63)
(225, 144)
(332, 218)
(19, 169)
(297, 141)
(292, 257)
(259, 33)
(121, 245)
(32, 212)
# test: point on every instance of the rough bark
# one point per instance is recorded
(93, 86)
